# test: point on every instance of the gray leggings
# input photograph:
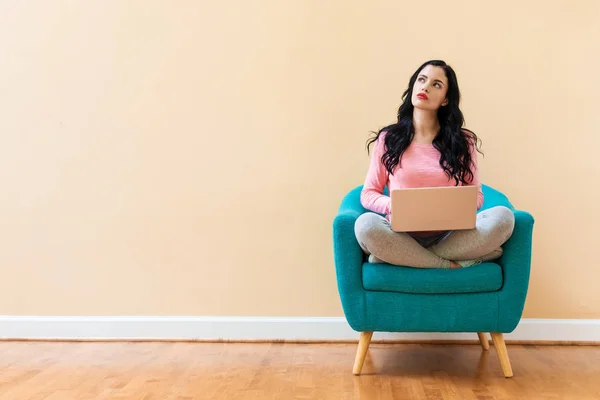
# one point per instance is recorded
(375, 236)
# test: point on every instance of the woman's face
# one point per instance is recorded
(430, 89)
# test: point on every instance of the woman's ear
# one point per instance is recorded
(445, 103)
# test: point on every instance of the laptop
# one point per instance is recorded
(434, 208)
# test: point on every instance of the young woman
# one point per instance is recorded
(428, 147)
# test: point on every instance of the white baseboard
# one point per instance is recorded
(261, 328)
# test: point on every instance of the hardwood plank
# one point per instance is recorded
(185, 371)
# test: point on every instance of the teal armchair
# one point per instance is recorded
(488, 297)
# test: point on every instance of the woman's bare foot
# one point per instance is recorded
(454, 265)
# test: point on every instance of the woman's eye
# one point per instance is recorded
(437, 85)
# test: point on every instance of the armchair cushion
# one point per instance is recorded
(485, 277)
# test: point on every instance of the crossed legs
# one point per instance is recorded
(493, 228)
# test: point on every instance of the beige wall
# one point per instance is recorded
(149, 149)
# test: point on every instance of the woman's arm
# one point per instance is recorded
(372, 197)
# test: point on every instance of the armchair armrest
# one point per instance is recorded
(516, 267)
(348, 259)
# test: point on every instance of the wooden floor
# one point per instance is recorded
(146, 371)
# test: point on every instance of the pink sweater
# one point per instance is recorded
(420, 168)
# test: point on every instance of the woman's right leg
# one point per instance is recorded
(376, 237)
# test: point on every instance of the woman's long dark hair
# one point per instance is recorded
(453, 141)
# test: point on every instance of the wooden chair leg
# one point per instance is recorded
(483, 340)
(500, 346)
(361, 352)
